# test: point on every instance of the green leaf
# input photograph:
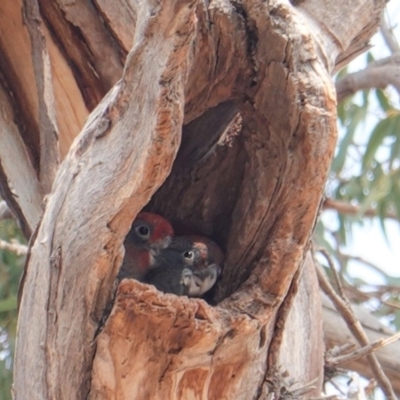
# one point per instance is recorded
(382, 130)
(8, 304)
(351, 190)
(356, 114)
(370, 57)
(395, 197)
(395, 146)
(342, 234)
(380, 188)
(342, 110)
(347, 140)
(383, 100)
(365, 95)
(382, 210)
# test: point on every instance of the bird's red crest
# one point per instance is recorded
(161, 227)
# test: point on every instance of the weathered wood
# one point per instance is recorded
(342, 39)
(48, 134)
(78, 248)
(18, 180)
(234, 181)
(26, 110)
(17, 76)
(120, 17)
(296, 345)
(196, 351)
(250, 83)
(261, 162)
(84, 39)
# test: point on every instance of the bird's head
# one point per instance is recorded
(197, 252)
(150, 231)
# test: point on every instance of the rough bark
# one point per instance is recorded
(337, 334)
(205, 347)
(18, 181)
(249, 82)
(49, 152)
(77, 280)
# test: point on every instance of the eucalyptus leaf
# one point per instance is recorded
(383, 99)
(382, 130)
(356, 115)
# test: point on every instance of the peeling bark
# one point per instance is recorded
(18, 181)
(196, 350)
(49, 152)
(78, 282)
(224, 120)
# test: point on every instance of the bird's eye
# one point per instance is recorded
(143, 231)
(189, 255)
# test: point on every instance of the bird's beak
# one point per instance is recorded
(166, 242)
(200, 282)
(161, 244)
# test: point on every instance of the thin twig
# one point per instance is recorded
(356, 329)
(361, 260)
(393, 59)
(343, 207)
(17, 248)
(308, 387)
(338, 350)
(337, 387)
(338, 281)
(369, 389)
(377, 295)
(363, 351)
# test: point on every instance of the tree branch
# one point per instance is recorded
(343, 207)
(363, 351)
(337, 333)
(17, 248)
(368, 78)
(357, 330)
(338, 280)
(378, 74)
(393, 59)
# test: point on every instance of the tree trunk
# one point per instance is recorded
(219, 115)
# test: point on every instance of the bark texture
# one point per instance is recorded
(219, 115)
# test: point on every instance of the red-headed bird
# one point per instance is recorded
(148, 235)
(190, 266)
